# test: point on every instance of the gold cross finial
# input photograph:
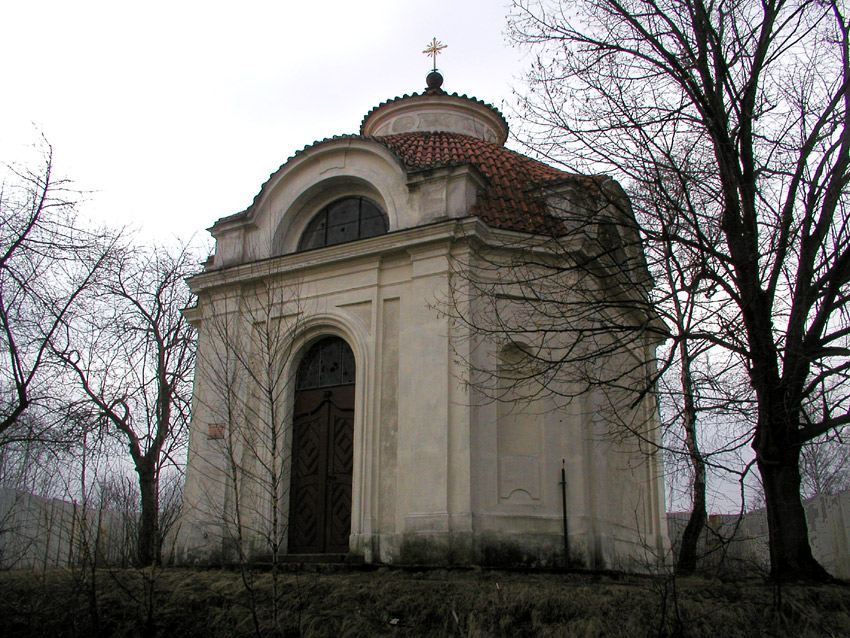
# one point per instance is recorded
(434, 50)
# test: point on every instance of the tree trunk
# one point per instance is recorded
(688, 549)
(790, 553)
(687, 560)
(149, 544)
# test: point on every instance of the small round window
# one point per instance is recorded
(343, 220)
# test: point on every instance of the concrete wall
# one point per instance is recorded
(439, 476)
(42, 533)
(740, 543)
(35, 532)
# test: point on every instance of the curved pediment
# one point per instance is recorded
(309, 181)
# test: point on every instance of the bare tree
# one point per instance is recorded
(131, 354)
(744, 104)
(244, 383)
(685, 397)
(825, 465)
(47, 260)
(698, 383)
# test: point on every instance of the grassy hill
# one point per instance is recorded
(398, 602)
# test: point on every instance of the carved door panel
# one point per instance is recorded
(322, 464)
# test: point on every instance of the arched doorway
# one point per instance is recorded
(322, 449)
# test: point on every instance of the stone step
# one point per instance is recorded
(348, 559)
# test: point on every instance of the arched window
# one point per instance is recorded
(344, 220)
(328, 362)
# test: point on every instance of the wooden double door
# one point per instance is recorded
(322, 464)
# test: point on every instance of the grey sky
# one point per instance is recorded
(174, 113)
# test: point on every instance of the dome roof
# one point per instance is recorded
(508, 201)
(435, 129)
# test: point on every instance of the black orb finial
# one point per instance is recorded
(434, 81)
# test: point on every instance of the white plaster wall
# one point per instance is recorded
(384, 306)
(614, 499)
(435, 465)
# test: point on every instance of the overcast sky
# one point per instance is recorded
(172, 114)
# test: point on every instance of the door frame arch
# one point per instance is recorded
(310, 330)
(322, 449)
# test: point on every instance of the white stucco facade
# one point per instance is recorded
(442, 472)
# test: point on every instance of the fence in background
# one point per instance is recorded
(42, 533)
(740, 543)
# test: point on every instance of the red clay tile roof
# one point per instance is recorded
(506, 201)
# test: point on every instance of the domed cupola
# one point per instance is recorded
(434, 110)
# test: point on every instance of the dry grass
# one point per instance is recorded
(390, 602)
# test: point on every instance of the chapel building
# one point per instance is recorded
(366, 383)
